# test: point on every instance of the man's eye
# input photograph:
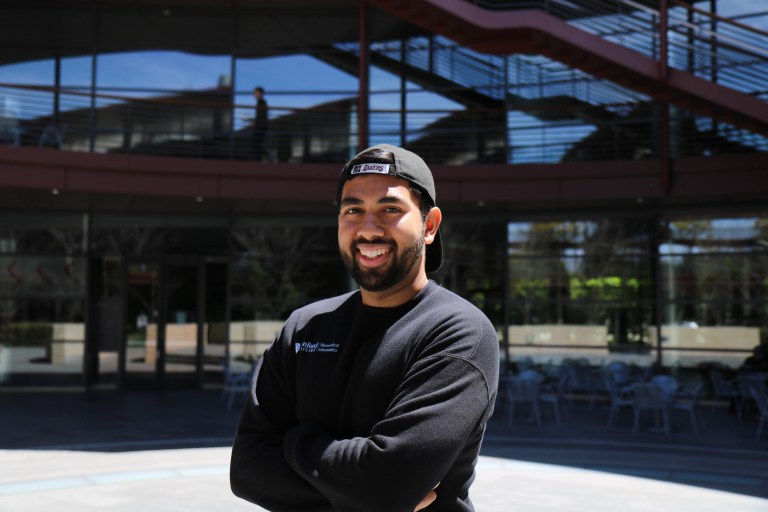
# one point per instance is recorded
(351, 211)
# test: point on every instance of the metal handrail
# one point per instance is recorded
(734, 48)
(199, 125)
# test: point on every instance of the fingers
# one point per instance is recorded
(426, 501)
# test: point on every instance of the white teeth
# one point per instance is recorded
(374, 253)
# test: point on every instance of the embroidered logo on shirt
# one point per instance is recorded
(312, 347)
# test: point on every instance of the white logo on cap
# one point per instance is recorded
(370, 168)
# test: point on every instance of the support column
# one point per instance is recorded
(232, 104)
(507, 297)
(56, 90)
(666, 171)
(664, 103)
(363, 79)
(657, 314)
(94, 60)
(403, 94)
(232, 82)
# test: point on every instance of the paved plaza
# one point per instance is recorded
(195, 479)
(170, 452)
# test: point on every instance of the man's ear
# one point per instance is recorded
(432, 223)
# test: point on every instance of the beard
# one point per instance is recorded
(382, 278)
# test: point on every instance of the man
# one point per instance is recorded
(260, 123)
(375, 400)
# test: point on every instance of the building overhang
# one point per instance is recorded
(728, 179)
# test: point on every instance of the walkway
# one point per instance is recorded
(170, 452)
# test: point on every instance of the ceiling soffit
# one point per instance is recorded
(34, 30)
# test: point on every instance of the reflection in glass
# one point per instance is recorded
(588, 287)
(278, 269)
(714, 281)
(142, 312)
(580, 289)
(42, 298)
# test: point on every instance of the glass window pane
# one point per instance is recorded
(581, 289)
(307, 121)
(278, 269)
(473, 266)
(714, 284)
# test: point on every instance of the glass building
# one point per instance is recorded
(602, 168)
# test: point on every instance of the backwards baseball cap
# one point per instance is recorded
(401, 163)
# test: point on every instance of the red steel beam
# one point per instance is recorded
(714, 177)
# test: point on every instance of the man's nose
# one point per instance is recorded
(370, 227)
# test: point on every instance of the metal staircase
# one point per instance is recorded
(694, 60)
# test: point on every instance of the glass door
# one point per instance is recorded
(216, 336)
(140, 359)
(163, 323)
(184, 307)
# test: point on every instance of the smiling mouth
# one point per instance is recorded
(372, 255)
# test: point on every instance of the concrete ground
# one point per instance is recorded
(170, 451)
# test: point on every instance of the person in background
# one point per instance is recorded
(757, 362)
(260, 124)
(378, 399)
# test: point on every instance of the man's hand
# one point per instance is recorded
(427, 500)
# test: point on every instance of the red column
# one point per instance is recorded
(664, 103)
(362, 100)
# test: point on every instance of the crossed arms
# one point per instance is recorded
(282, 463)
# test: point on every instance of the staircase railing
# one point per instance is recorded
(718, 49)
(442, 57)
(713, 47)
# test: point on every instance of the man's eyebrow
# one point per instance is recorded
(391, 199)
(351, 200)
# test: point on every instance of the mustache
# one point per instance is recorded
(384, 241)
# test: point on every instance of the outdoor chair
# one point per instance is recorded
(576, 378)
(722, 389)
(745, 398)
(524, 363)
(52, 135)
(688, 401)
(668, 385)
(237, 383)
(619, 398)
(523, 390)
(761, 401)
(651, 398)
(553, 394)
(617, 372)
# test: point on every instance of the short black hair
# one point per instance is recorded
(425, 203)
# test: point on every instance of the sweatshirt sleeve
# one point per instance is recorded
(442, 400)
(259, 472)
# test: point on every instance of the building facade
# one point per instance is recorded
(603, 175)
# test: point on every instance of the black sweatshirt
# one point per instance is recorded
(366, 409)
